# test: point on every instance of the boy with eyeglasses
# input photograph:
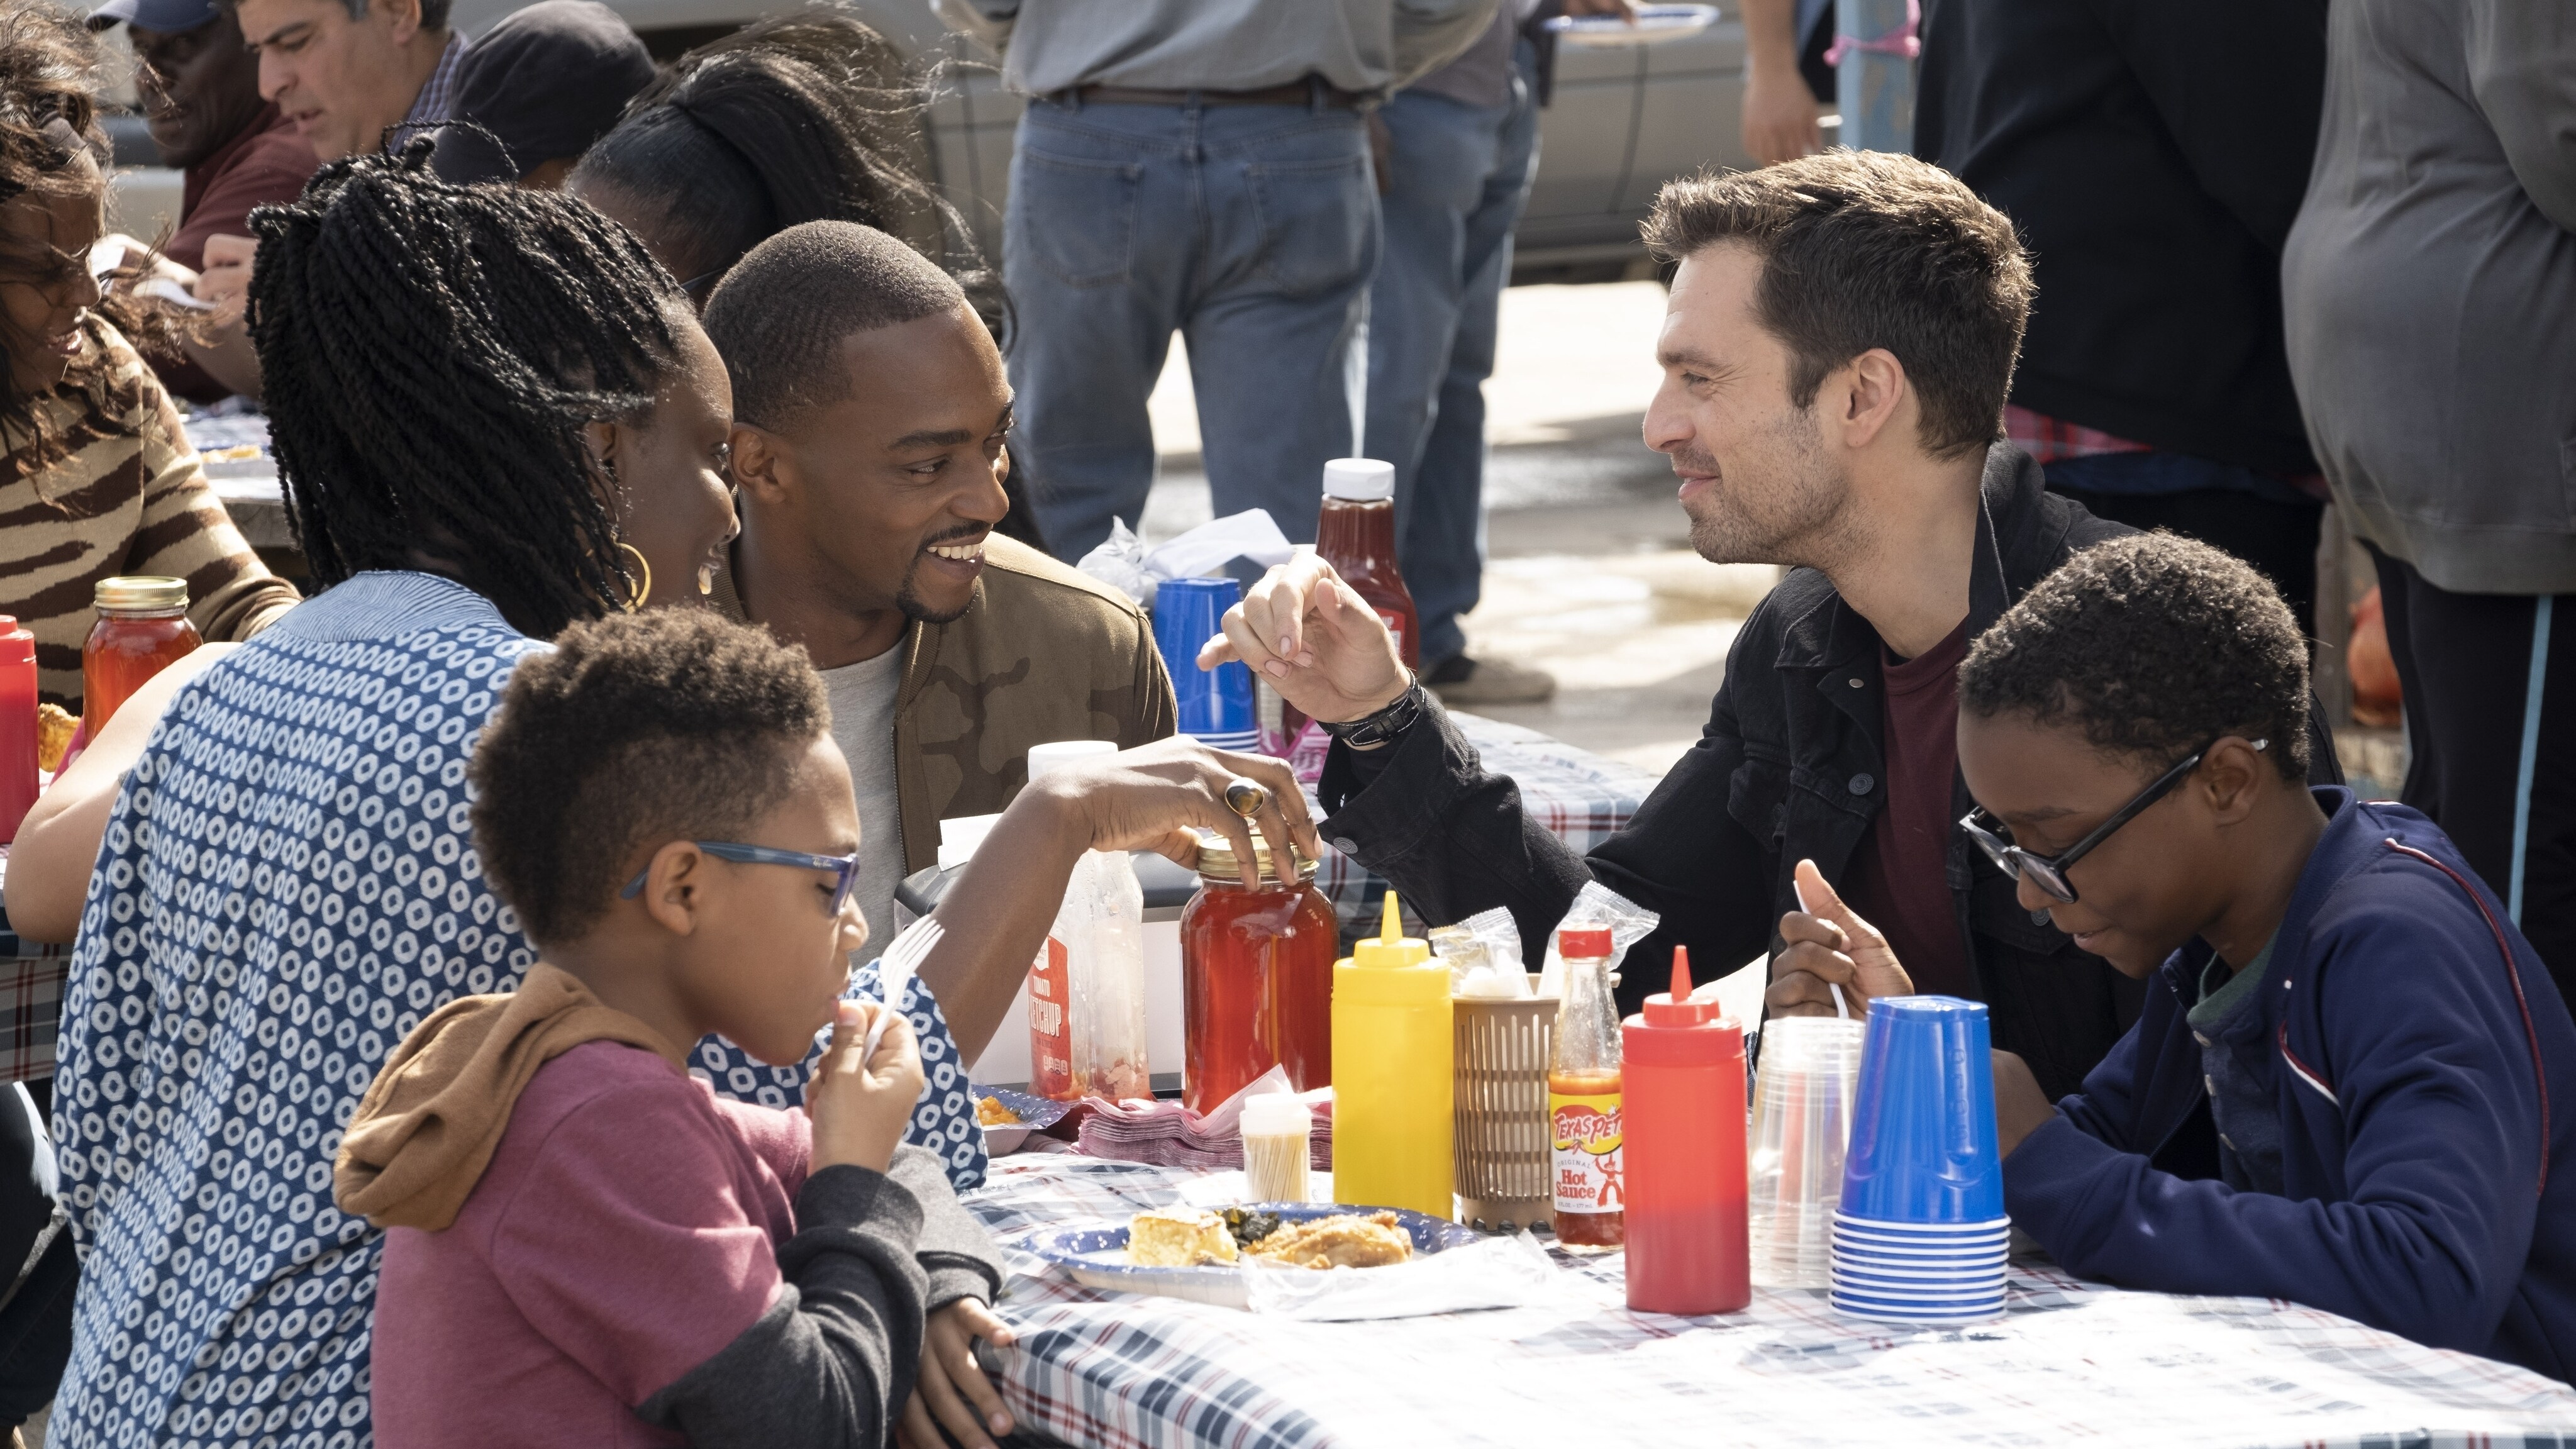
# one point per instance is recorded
(584, 1243)
(2341, 1089)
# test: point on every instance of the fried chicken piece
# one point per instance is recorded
(1345, 1240)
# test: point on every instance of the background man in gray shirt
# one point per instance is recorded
(1198, 166)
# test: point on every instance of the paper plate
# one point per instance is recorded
(1035, 1113)
(1096, 1256)
(1653, 23)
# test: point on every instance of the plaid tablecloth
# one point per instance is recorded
(2069, 1362)
(31, 999)
(1580, 797)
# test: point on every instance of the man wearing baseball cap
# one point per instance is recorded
(199, 88)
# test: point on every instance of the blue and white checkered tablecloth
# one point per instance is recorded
(2070, 1362)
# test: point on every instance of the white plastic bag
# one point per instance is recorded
(1597, 904)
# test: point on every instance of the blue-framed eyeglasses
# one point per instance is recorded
(845, 868)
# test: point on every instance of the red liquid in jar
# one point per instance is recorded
(1256, 988)
(1587, 1132)
(121, 654)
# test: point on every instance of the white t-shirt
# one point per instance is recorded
(863, 696)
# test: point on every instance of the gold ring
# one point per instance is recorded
(1245, 797)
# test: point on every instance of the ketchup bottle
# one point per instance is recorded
(1356, 535)
(1585, 1123)
(17, 726)
(1684, 1119)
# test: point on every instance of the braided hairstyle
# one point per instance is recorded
(49, 66)
(431, 354)
(806, 116)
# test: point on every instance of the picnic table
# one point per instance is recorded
(2068, 1361)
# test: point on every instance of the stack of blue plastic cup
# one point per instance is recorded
(1215, 704)
(1921, 1235)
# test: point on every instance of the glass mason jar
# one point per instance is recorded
(1256, 978)
(142, 626)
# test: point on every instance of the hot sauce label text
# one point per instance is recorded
(1584, 1135)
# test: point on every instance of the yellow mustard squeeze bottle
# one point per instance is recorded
(1392, 1089)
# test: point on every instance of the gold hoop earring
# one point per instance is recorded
(637, 593)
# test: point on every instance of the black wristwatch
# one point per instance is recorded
(1371, 731)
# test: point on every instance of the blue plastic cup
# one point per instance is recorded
(1215, 704)
(1923, 1116)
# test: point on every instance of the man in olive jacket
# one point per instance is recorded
(870, 410)
(1837, 350)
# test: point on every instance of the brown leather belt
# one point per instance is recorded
(1295, 93)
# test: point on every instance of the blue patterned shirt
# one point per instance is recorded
(287, 887)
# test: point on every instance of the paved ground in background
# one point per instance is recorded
(1590, 574)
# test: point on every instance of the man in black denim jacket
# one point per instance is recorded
(1891, 298)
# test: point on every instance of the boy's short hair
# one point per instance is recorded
(2153, 645)
(1864, 249)
(780, 316)
(635, 730)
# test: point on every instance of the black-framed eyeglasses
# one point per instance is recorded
(845, 868)
(2048, 872)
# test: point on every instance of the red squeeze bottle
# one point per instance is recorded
(1684, 1111)
(17, 726)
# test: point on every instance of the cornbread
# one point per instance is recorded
(1178, 1237)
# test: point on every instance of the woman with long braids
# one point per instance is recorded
(98, 479)
(494, 415)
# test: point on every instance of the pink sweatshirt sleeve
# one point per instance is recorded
(638, 1174)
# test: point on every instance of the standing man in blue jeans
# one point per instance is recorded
(1464, 147)
(1199, 166)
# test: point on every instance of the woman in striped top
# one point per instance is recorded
(97, 478)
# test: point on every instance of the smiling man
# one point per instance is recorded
(870, 409)
(1836, 352)
(353, 75)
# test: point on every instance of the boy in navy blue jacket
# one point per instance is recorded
(2341, 1089)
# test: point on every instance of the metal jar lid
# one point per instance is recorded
(141, 593)
(1217, 861)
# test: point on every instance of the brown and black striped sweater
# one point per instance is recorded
(123, 495)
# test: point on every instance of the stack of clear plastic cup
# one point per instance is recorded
(1802, 1103)
(1920, 1235)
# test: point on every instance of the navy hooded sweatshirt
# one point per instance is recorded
(2425, 1072)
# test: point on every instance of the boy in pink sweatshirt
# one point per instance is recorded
(586, 1245)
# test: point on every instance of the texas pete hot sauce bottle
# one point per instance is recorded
(1584, 1098)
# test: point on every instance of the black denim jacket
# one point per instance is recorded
(1790, 766)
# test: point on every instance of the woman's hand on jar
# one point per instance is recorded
(1150, 797)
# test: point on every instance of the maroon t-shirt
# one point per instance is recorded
(1899, 877)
